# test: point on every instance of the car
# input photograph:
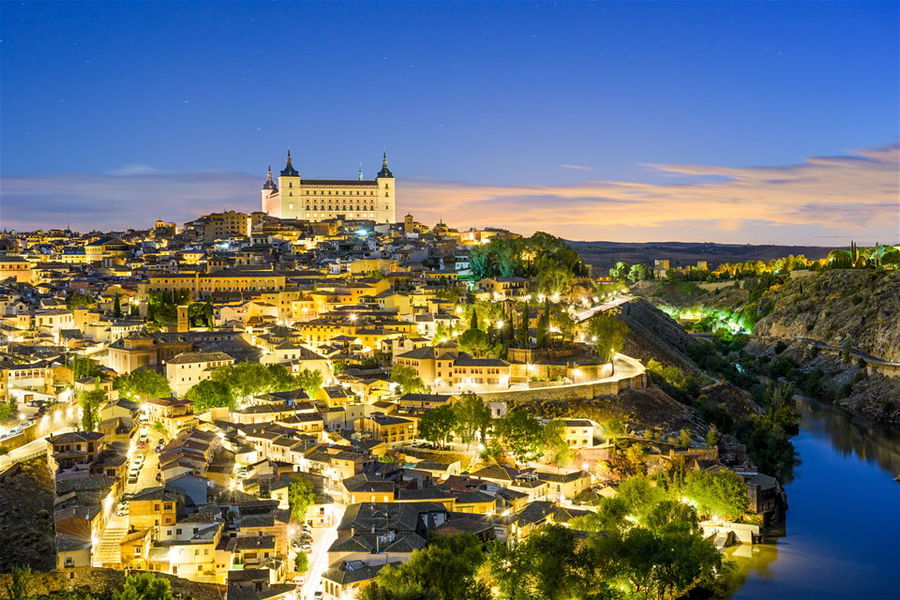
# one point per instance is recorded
(318, 595)
(307, 547)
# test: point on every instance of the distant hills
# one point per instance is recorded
(603, 255)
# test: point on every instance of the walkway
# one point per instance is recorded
(587, 313)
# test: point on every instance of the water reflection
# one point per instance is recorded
(853, 435)
(841, 538)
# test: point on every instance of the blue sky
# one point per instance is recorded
(472, 96)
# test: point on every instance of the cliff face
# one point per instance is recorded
(652, 334)
(858, 306)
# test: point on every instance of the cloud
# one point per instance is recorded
(577, 167)
(853, 196)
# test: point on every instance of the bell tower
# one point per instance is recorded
(386, 194)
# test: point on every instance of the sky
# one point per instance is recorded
(737, 122)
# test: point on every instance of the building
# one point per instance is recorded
(190, 368)
(320, 199)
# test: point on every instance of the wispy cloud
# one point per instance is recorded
(837, 197)
(576, 167)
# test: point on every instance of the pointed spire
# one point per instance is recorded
(385, 171)
(359, 174)
(289, 170)
(269, 184)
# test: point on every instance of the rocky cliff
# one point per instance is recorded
(857, 306)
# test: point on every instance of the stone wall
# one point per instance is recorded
(104, 581)
(578, 391)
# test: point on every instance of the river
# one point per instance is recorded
(842, 531)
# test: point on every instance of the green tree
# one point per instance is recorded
(639, 272)
(409, 382)
(721, 492)
(522, 332)
(444, 570)
(246, 379)
(83, 367)
(472, 416)
(142, 384)
(90, 402)
(640, 495)
(310, 380)
(684, 438)
(437, 424)
(475, 342)
(301, 562)
(210, 394)
(607, 334)
(520, 434)
(144, 586)
(20, 584)
(78, 300)
(620, 270)
(555, 444)
(301, 495)
(712, 436)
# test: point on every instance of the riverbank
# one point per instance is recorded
(841, 536)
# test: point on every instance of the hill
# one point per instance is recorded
(603, 255)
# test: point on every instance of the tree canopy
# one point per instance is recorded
(437, 424)
(721, 492)
(142, 384)
(211, 394)
(607, 334)
(409, 382)
(301, 495)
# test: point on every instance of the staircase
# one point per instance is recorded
(108, 553)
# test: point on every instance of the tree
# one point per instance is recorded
(142, 384)
(555, 444)
(408, 380)
(520, 434)
(117, 307)
(475, 342)
(607, 334)
(640, 495)
(443, 570)
(684, 438)
(245, 379)
(472, 416)
(210, 394)
(83, 367)
(90, 401)
(639, 272)
(301, 495)
(523, 330)
(280, 379)
(437, 424)
(721, 492)
(20, 585)
(620, 270)
(301, 562)
(144, 586)
(310, 380)
(547, 565)
(78, 300)
(712, 436)
(473, 322)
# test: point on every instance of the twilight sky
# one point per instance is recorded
(730, 122)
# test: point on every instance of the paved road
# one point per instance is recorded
(587, 313)
(323, 537)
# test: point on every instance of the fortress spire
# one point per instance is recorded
(289, 170)
(269, 184)
(385, 171)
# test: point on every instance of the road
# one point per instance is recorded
(323, 537)
(587, 313)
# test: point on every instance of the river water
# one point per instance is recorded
(842, 531)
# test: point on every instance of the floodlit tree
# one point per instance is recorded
(639, 272)
(607, 334)
(245, 379)
(721, 492)
(437, 424)
(520, 434)
(555, 445)
(142, 384)
(90, 402)
(475, 342)
(310, 380)
(301, 495)
(144, 586)
(443, 570)
(472, 416)
(408, 380)
(210, 394)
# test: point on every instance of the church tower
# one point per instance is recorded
(269, 192)
(289, 187)
(386, 191)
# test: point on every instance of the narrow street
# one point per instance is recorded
(323, 537)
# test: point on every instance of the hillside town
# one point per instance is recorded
(281, 408)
